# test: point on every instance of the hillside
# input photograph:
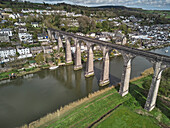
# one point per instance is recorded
(108, 11)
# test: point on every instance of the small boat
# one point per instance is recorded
(53, 67)
(166, 51)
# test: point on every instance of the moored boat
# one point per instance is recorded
(53, 67)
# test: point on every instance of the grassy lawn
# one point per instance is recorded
(162, 111)
(124, 117)
(160, 12)
(88, 112)
(131, 113)
(101, 111)
(6, 74)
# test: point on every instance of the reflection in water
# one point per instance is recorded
(89, 84)
(60, 74)
(28, 76)
(25, 100)
(78, 81)
(18, 82)
(5, 81)
(42, 75)
(69, 76)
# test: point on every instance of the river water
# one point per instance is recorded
(26, 99)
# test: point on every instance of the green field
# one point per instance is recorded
(123, 117)
(162, 13)
(99, 111)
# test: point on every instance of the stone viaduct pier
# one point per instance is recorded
(160, 62)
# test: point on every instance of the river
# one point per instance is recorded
(26, 99)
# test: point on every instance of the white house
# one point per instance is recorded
(80, 34)
(77, 15)
(23, 51)
(22, 29)
(6, 52)
(13, 16)
(69, 14)
(42, 37)
(104, 39)
(34, 24)
(19, 23)
(25, 37)
(6, 31)
(92, 34)
(27, 10)
(110, 19)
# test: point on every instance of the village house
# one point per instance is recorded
(6, 31)
(110, 19)
(23, 52)
(5, 15)
(73, 23)
(80, 34)
(8, 10)
(104, 38)
(62, 12)
(108, 34)
(118, 40)
(47, 49)
(77, 15)
(70, 14)
(6, 52)
(13, 16)
(27, 10)
(25, 37)
(42, 37)
(4, 37)
(36, 50)
(48, 7)
(92, 35)
(19, 23)
(34, 24)
(22, 29)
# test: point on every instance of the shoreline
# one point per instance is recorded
(158, 47)
(96, 59)
(37, 69)
(20, 74)
(73, 105)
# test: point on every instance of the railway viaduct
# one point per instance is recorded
(160, 62)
